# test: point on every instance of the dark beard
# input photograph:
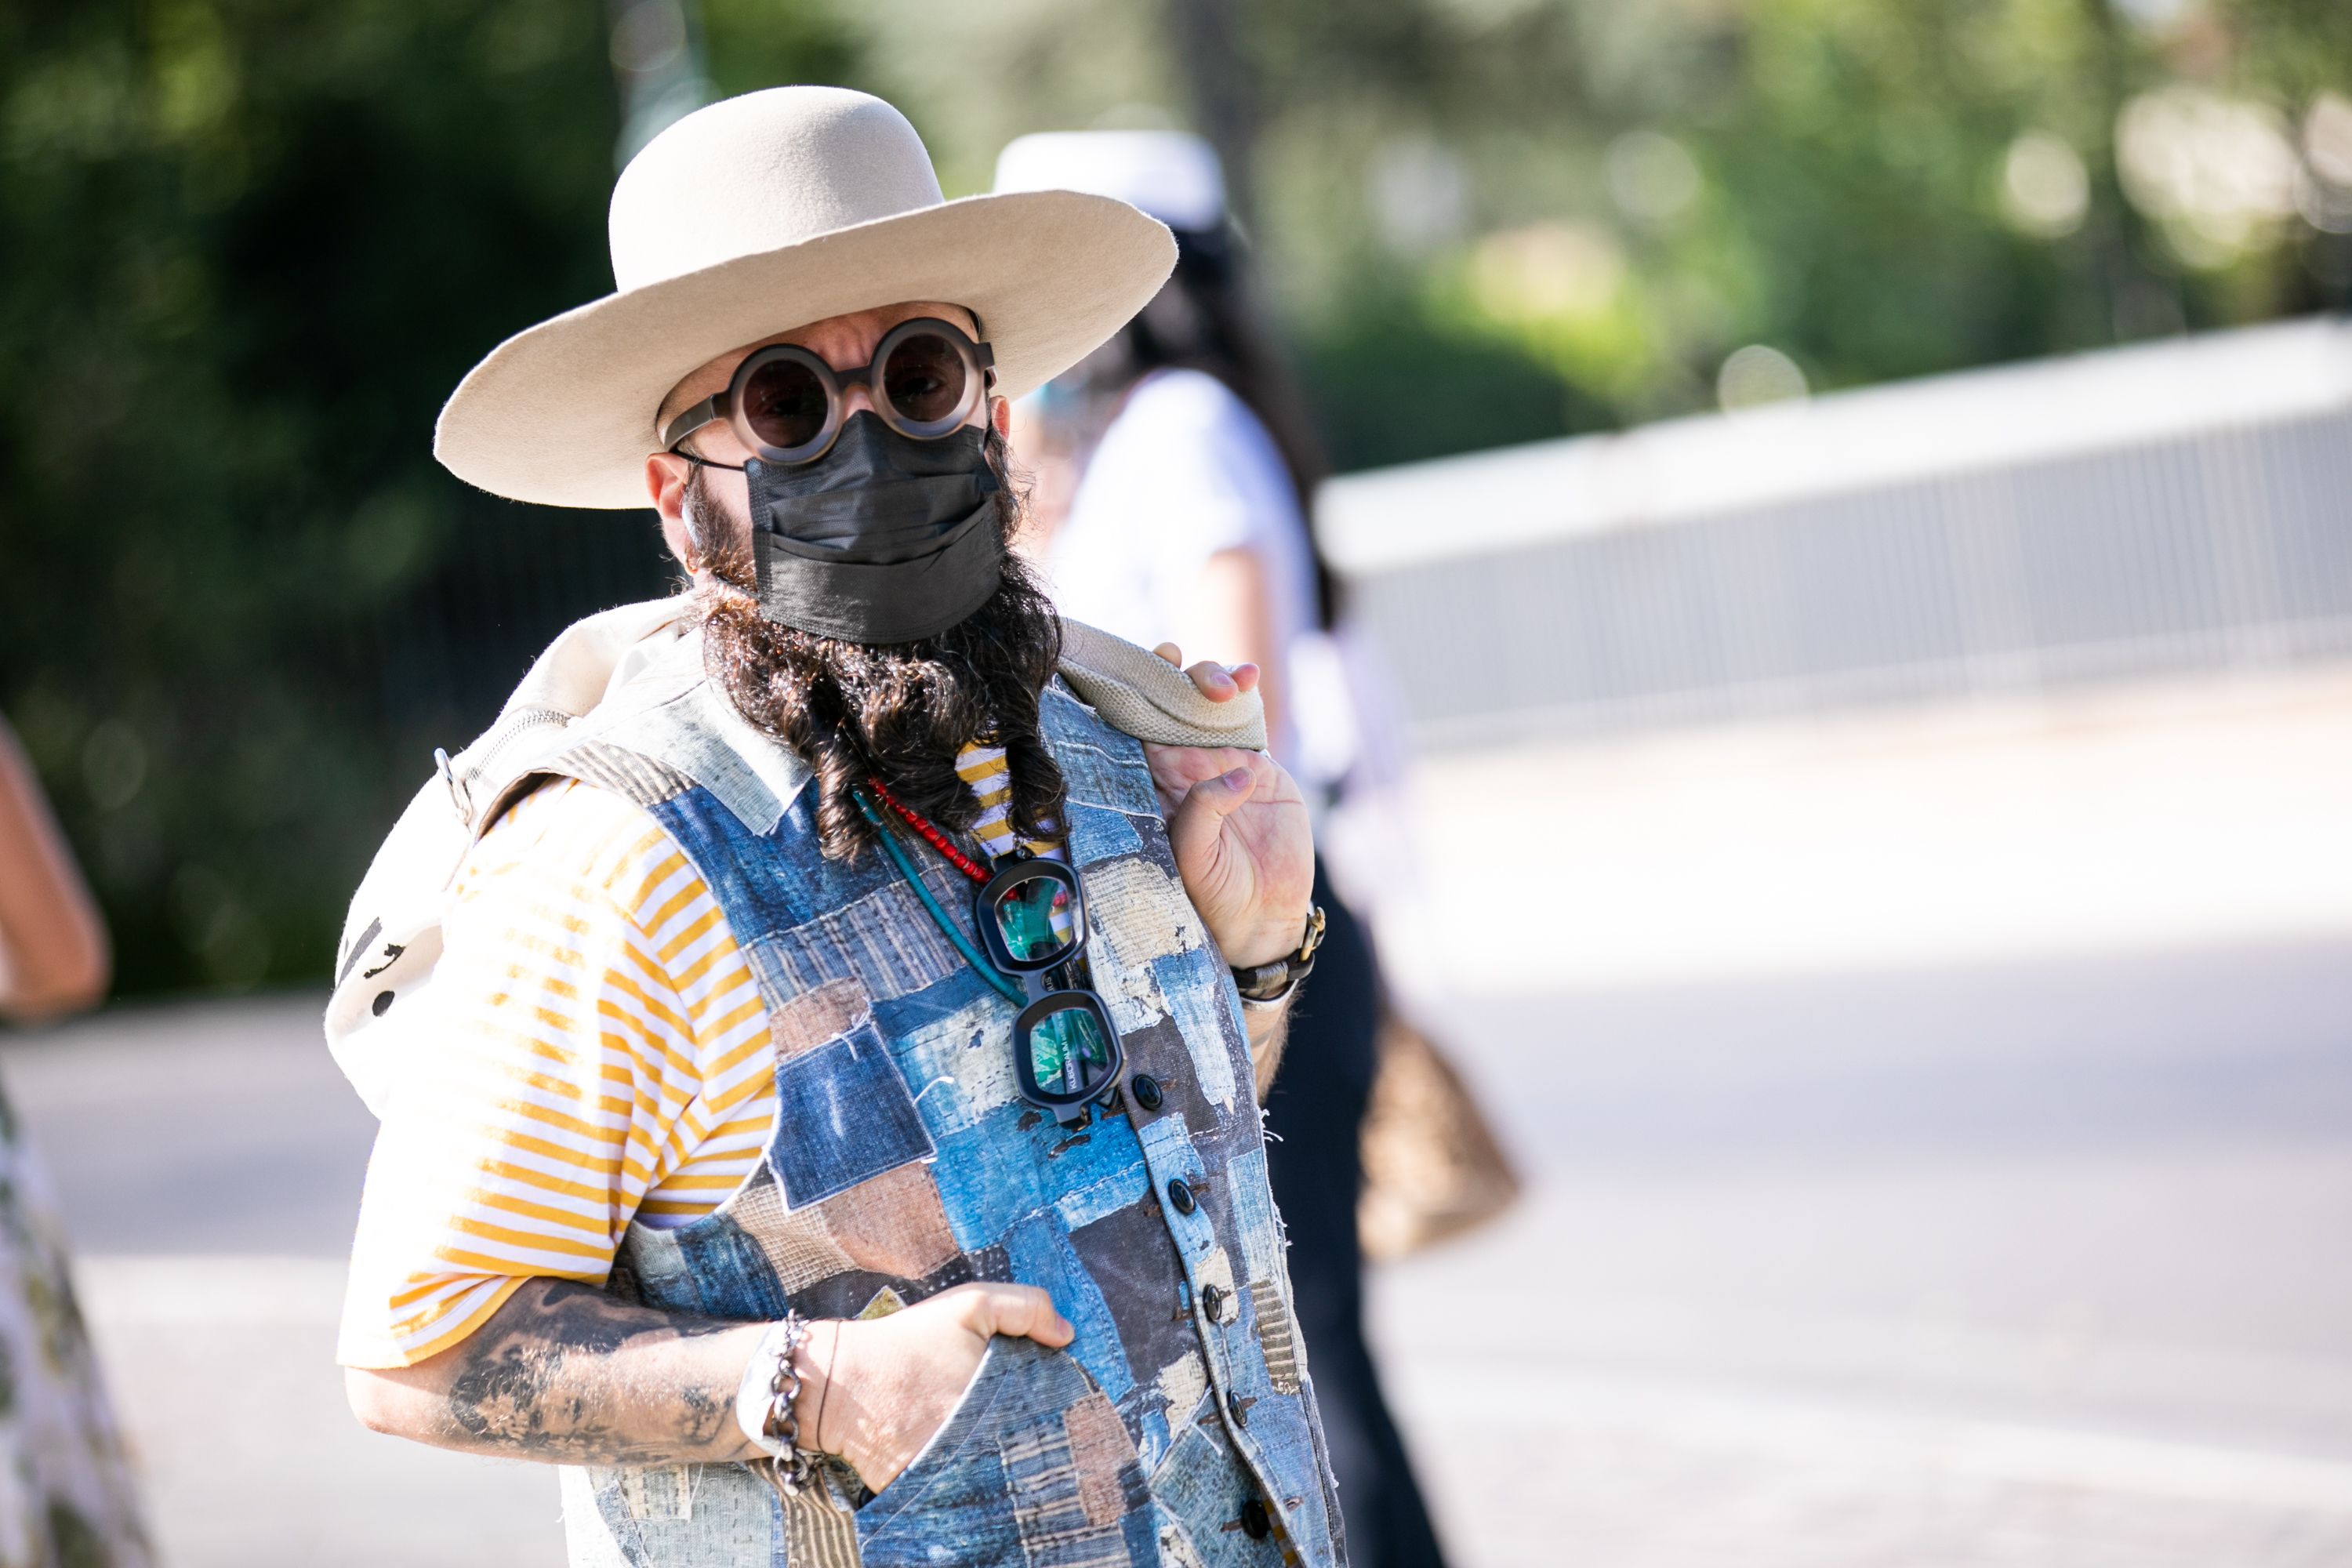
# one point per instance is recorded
(900, 712)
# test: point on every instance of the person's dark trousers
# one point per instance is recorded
(1315, 1115)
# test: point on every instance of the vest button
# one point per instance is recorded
(1255, 1522)
(1238, 1407)
(1212, 1301)
(1147, 1091)
(1179, 1192)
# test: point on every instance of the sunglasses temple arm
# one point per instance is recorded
(710, 411)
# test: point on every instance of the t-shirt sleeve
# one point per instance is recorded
(590, 1024)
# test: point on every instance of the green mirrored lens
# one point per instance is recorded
(1033, 918)
(1068, 1050)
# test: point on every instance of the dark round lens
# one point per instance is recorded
(925, 380)
(784, 403)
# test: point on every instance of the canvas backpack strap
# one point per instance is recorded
(1133, 689)
(391, 936)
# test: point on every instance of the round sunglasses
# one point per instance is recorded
(785, 404)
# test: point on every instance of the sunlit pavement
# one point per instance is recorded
(1947, 1255)
(2027, 1266)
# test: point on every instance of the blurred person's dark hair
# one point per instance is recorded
(1206, 319)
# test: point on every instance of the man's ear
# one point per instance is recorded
(665, 477)
(999, 415)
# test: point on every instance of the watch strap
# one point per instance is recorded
(1266, 984)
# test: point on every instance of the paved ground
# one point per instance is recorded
(2041, 1265)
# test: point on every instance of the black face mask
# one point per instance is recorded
(885, 539)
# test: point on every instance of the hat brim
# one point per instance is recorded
(562, 414)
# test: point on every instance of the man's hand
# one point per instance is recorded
(883, 1387)
(1239, 828)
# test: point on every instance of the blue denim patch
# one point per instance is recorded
(998, 1172)
(843, 1115)
(952, 1497)
(1207, 1008)
(1202, 1489)
(1042, 1256)
(1098, 832)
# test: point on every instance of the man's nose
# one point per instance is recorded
(854, 395)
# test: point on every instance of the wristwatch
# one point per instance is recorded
(1267, 985)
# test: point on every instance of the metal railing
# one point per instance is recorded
(2223, 541)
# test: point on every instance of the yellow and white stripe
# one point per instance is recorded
(986, 771)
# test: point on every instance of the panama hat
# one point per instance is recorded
(764, 212)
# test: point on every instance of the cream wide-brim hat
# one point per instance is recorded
(761, 214)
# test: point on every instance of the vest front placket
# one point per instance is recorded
(1212, 1291)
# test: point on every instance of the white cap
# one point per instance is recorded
(1172, 174)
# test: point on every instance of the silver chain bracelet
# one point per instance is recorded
(791, 1467)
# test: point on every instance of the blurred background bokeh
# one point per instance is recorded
(1931, 1044)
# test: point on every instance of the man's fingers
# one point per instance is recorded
(1022, 1311)
(1212, 682)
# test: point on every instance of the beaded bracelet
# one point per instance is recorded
(790, 1467)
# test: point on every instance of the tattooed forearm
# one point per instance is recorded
(571, 1375)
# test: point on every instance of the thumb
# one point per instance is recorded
(1193, 831)
(1225, 794)
(1021, 1312)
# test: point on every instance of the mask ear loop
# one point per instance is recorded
(697, 547)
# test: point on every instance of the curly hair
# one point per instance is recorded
(899, 712)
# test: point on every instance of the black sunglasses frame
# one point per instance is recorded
(726, 408)
(1046, 1000)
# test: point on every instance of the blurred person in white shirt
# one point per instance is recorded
(1172, 470)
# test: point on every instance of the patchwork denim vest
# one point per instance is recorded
(1180, 1426)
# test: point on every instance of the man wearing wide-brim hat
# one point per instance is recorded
(821, 1111)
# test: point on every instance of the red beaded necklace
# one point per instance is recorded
(932, 835)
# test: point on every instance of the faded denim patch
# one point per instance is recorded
(885, 940)
(1203, 1489)
(844, 1115)
(722, 1504)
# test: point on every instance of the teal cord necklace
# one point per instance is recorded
(948, 928)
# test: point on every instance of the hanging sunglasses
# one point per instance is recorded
(1031, 915)
(784, 402)
(1032, 920)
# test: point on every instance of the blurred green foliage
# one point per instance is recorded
(249, 245)
(249, 248)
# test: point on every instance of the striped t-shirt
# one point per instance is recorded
(595, 1053)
